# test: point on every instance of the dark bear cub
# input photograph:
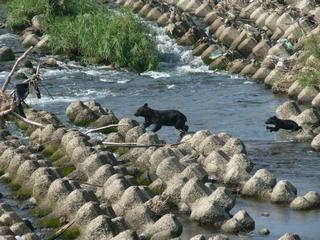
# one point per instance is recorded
(162, 118)
(282, 124)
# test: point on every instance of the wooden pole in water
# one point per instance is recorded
(135, 145)
(105, 127)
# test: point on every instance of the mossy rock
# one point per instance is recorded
(14, 186)
(57, 155)
(61, 161)
(22, 125)
(156, 191)
(144, 179)
(121, 151)
(67, 170)
(40, 212)
(85, 117)
(49, 221)
(50, 149)
(22, 194)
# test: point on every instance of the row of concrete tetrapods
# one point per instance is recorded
(181, 174)
(116, 203)
(272, 62)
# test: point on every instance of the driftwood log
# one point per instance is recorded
(105, 127)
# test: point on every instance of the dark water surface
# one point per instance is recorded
(211, 100)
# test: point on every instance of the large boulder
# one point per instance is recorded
(85, 117)
(205, 211)
(309, 201)
(168, 168)
(295, 89)
(134, 133)
(223, 197)
(168, 225)
(6, 54)
(240, 222)
(283, 192)
(260, 185)
(125, 124)
(193, 190)
(236, 176)
(216, 164)
(315, 144)
(38, 23)
(287, 110)
(210, 144)
(30, 40)
(234, 146)
(309, 117)
(99, 228)
(307, 95)
(73, 109)
(290, 236)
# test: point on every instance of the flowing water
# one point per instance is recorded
(211, 100)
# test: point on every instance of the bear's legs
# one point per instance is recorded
(146, 124)
(273, 129)
(180, 125)
(156, 127)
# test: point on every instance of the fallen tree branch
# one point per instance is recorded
(28, 121)
(135, 145)
(5, 84)
(6, 112)
(62, 230)
(105, 127)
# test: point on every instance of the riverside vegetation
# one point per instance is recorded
(88, 32)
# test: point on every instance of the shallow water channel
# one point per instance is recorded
(211, 100)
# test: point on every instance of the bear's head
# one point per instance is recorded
(272, 120)
(141, 111)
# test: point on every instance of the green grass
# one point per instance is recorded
(85, 31)
(20, 12)
(49, 222)
(70, 234)
(67, 170)
(22, 194)
(119, 39)
(57, 155)
(309, 77)
(39, 212)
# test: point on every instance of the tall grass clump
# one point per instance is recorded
(309, 77)
(98, 37)
(20, 12)
(310, 74)
(86, 31)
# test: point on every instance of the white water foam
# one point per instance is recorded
(123, 81)
(248, 82)
(156, 75)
